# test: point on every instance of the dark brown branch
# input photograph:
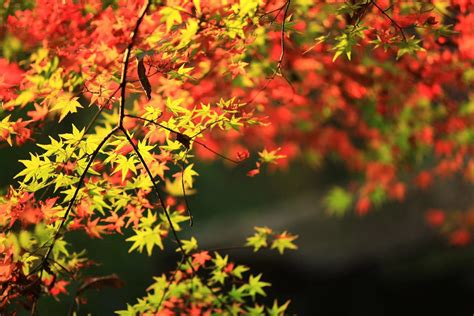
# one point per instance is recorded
(155, 187)
(282, 34)
(394, 23)
(183, 135)
(278, 70)
(126, 59)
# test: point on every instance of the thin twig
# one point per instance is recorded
(192, 137)
(126, 59)
(394, 23)
(155, 187)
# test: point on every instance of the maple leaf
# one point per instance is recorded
(257, 310)
(270, 156)
(255, 286)
(93, 229)
(116, 222)
(147, 238)
(124, 165)
(284, 241)
(201, 258)
(39, 113)
(218, 276)
(338, 201)
(175, 106)
(175, 188)
(257, 241)
(66, 104)
(170, 16)
(189, 245)
(188, 175)
(277, 310)
(238, 270)
(237, 293)
(220, 261)
(59, 287)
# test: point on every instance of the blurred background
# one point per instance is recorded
(388, 262)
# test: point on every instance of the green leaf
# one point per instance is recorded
(346, 41)
(238, 270)
(257, 310)
(171, 16)
(409, 46)
(255, 286)
(188, 175)
(124, 165)
(148, 220)
(175, 106)
(270, 156)
(147, 238)
(338, 201)
(218, 276)
(277, 310)
(219, 261)
(237, 293)
(257, 241)
(189, 245)
(284, 241)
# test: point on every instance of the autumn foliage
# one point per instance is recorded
(383, 88)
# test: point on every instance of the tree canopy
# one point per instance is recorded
(383, 88)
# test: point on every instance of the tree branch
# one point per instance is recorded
(126, 58)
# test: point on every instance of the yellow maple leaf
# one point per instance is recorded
(66, 104)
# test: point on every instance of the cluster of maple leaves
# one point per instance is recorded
(383, 87)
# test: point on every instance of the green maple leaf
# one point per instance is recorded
(145, 151)
(36, 169)
(278, 310)
(171, 16)
(409, 46)
(238, 270)
(124, 165)
(257, 241)
(188, 175)
(237, 293)
(220, 261)
(338, 201)
(175, 106)
(176, 218)
(189, 245)
(74, 137)
(218, 276)
(257, 310)
(148, 220)
(147, 238)
(284, 241)
(270, 156)
(255, 286)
